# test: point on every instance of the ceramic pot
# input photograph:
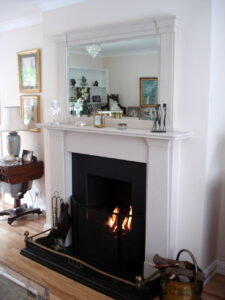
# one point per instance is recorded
(13, 143)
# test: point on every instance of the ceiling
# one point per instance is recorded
(16, 13)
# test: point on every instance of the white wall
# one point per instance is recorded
(197, 213)
(216, 142)
(124, 74)
(85, 61)
(11, 43)
(191, 112)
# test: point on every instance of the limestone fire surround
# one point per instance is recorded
(160, 152)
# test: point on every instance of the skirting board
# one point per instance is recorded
(220, 267)
(215, 267)
(210, 271)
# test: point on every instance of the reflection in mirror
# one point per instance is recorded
(114, 77)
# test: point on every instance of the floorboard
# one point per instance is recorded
(61, 287)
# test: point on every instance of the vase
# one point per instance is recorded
(13, 143)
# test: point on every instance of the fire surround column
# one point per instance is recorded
(161, 199)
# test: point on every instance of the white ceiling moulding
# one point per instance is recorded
(33, 19)
(46, 5)
(119, 31)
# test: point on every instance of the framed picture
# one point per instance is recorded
(96, 98)
(29, 67)
(29, 106)
(146, 113)
(133, 111)
(27, 155)
(148, 91)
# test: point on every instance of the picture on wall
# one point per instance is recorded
(147, 113)
(148, 91)
(29, 67)
(133, 111)
(29, 106)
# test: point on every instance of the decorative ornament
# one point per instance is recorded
(93, 50)
(55, 109)
(159, 118)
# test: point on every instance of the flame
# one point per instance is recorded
(125, 224)
(112, 220)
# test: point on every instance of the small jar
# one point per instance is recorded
(116, 114)
(122, 126)
(99, 120)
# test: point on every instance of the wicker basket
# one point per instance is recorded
(173, 290)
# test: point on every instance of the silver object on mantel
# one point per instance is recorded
(159, 118)
(122, 126)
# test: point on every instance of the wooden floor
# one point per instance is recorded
(60, 287)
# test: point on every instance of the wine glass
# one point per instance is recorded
(55, 109)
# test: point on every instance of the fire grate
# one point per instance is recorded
(65, 263)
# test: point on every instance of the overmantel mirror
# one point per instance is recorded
(119, 76)
(127, 67)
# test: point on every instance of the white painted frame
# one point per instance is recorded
(165, 27)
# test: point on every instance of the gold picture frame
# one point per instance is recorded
(29, 68)
(30, 111)
(148, 91)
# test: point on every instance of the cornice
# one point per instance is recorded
(33, 19)
(45, 5)
(137, 28)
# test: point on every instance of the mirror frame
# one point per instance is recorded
(165, 27)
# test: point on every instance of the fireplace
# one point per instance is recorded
(157, 156)
(159, 152)
(108, 213)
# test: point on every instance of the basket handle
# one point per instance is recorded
(193, 259)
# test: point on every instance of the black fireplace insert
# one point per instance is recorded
(108, 213)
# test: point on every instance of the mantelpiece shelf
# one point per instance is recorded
(129, 132)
